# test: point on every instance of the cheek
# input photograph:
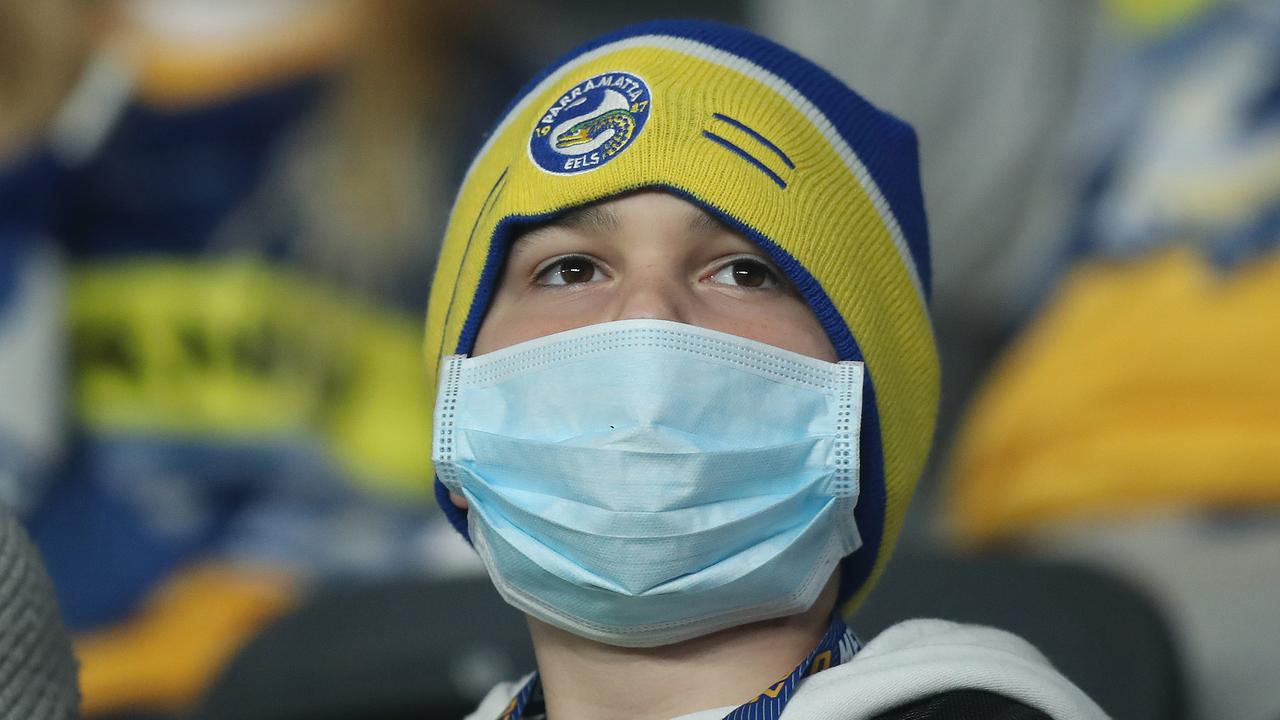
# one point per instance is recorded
(790, 326)
(812, 340)
(509, 323)
(799, 338)
(501, 330)
(494, 334)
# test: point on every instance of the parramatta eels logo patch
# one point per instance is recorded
(590, 124)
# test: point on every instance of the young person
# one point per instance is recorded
(687, 381)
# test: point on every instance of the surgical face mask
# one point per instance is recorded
(643, 482)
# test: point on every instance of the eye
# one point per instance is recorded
(569, 270)
(748, 273)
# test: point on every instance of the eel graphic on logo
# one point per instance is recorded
(590, 124)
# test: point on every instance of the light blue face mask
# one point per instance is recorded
(643, 482)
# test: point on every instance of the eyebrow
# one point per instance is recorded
(594, 218)
(601, 219)
(704, 223)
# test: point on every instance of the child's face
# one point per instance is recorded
(646, 255)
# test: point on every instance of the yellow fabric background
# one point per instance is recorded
(1143, 386)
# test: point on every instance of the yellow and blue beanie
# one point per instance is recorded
(778, 149)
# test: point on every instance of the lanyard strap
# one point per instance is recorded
(838, 646)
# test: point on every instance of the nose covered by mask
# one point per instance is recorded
(643, 482)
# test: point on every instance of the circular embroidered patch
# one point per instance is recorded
(590, 124)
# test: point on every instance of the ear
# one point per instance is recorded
(458, 501)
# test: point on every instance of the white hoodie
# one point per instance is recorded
(910, 661)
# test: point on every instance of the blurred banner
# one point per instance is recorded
(244, 198)
(1146, 381)
(1134, 422)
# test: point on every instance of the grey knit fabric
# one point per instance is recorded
(37, 669)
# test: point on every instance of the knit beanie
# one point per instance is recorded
(781, 152)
